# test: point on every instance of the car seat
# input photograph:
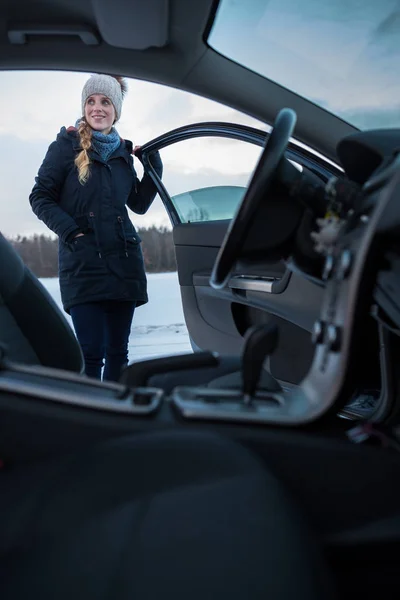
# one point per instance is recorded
(33, 329)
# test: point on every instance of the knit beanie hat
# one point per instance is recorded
(112, 87)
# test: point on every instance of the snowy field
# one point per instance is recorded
(158, 327)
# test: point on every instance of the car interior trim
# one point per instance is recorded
(252, 284)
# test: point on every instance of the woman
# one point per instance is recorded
(82, 189)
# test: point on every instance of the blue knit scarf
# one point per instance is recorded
(105, 144)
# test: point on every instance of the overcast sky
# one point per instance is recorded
(37, 104)
(343, 55)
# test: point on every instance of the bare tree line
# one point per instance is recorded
(40, 252)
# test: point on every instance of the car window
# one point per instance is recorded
(214, 203)
(343, 55)
(206, 177)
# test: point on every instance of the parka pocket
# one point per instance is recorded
(81, 242)
(130, 239)
(127, 232)
(81, 259)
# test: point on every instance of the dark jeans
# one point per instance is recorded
(103, 330)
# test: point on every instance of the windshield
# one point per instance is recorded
(343, 55)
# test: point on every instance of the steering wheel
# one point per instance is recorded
(255, 195)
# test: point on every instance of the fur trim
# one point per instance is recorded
(123, 83)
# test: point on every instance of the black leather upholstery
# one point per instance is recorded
(33, 329)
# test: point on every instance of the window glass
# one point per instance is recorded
(208, 204)
(207, 176)
(343, 55)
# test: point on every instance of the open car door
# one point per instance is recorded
(201, 199)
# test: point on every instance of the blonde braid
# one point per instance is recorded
(82, 161)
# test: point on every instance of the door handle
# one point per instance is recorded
(255, 283)
(252, 284)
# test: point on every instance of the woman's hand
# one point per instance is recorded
(136, 148)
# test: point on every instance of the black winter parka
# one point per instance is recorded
(107, 262)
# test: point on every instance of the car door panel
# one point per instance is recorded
(225, 316)
(205, 235)
(217, 320)
(197, 246)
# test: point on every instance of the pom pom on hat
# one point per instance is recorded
(114, 88)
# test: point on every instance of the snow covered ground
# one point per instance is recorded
(158, 327)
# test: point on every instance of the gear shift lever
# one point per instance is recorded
(260, 342)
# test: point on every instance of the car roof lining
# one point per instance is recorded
(179, 57)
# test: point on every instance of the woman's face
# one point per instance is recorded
(100, 113)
